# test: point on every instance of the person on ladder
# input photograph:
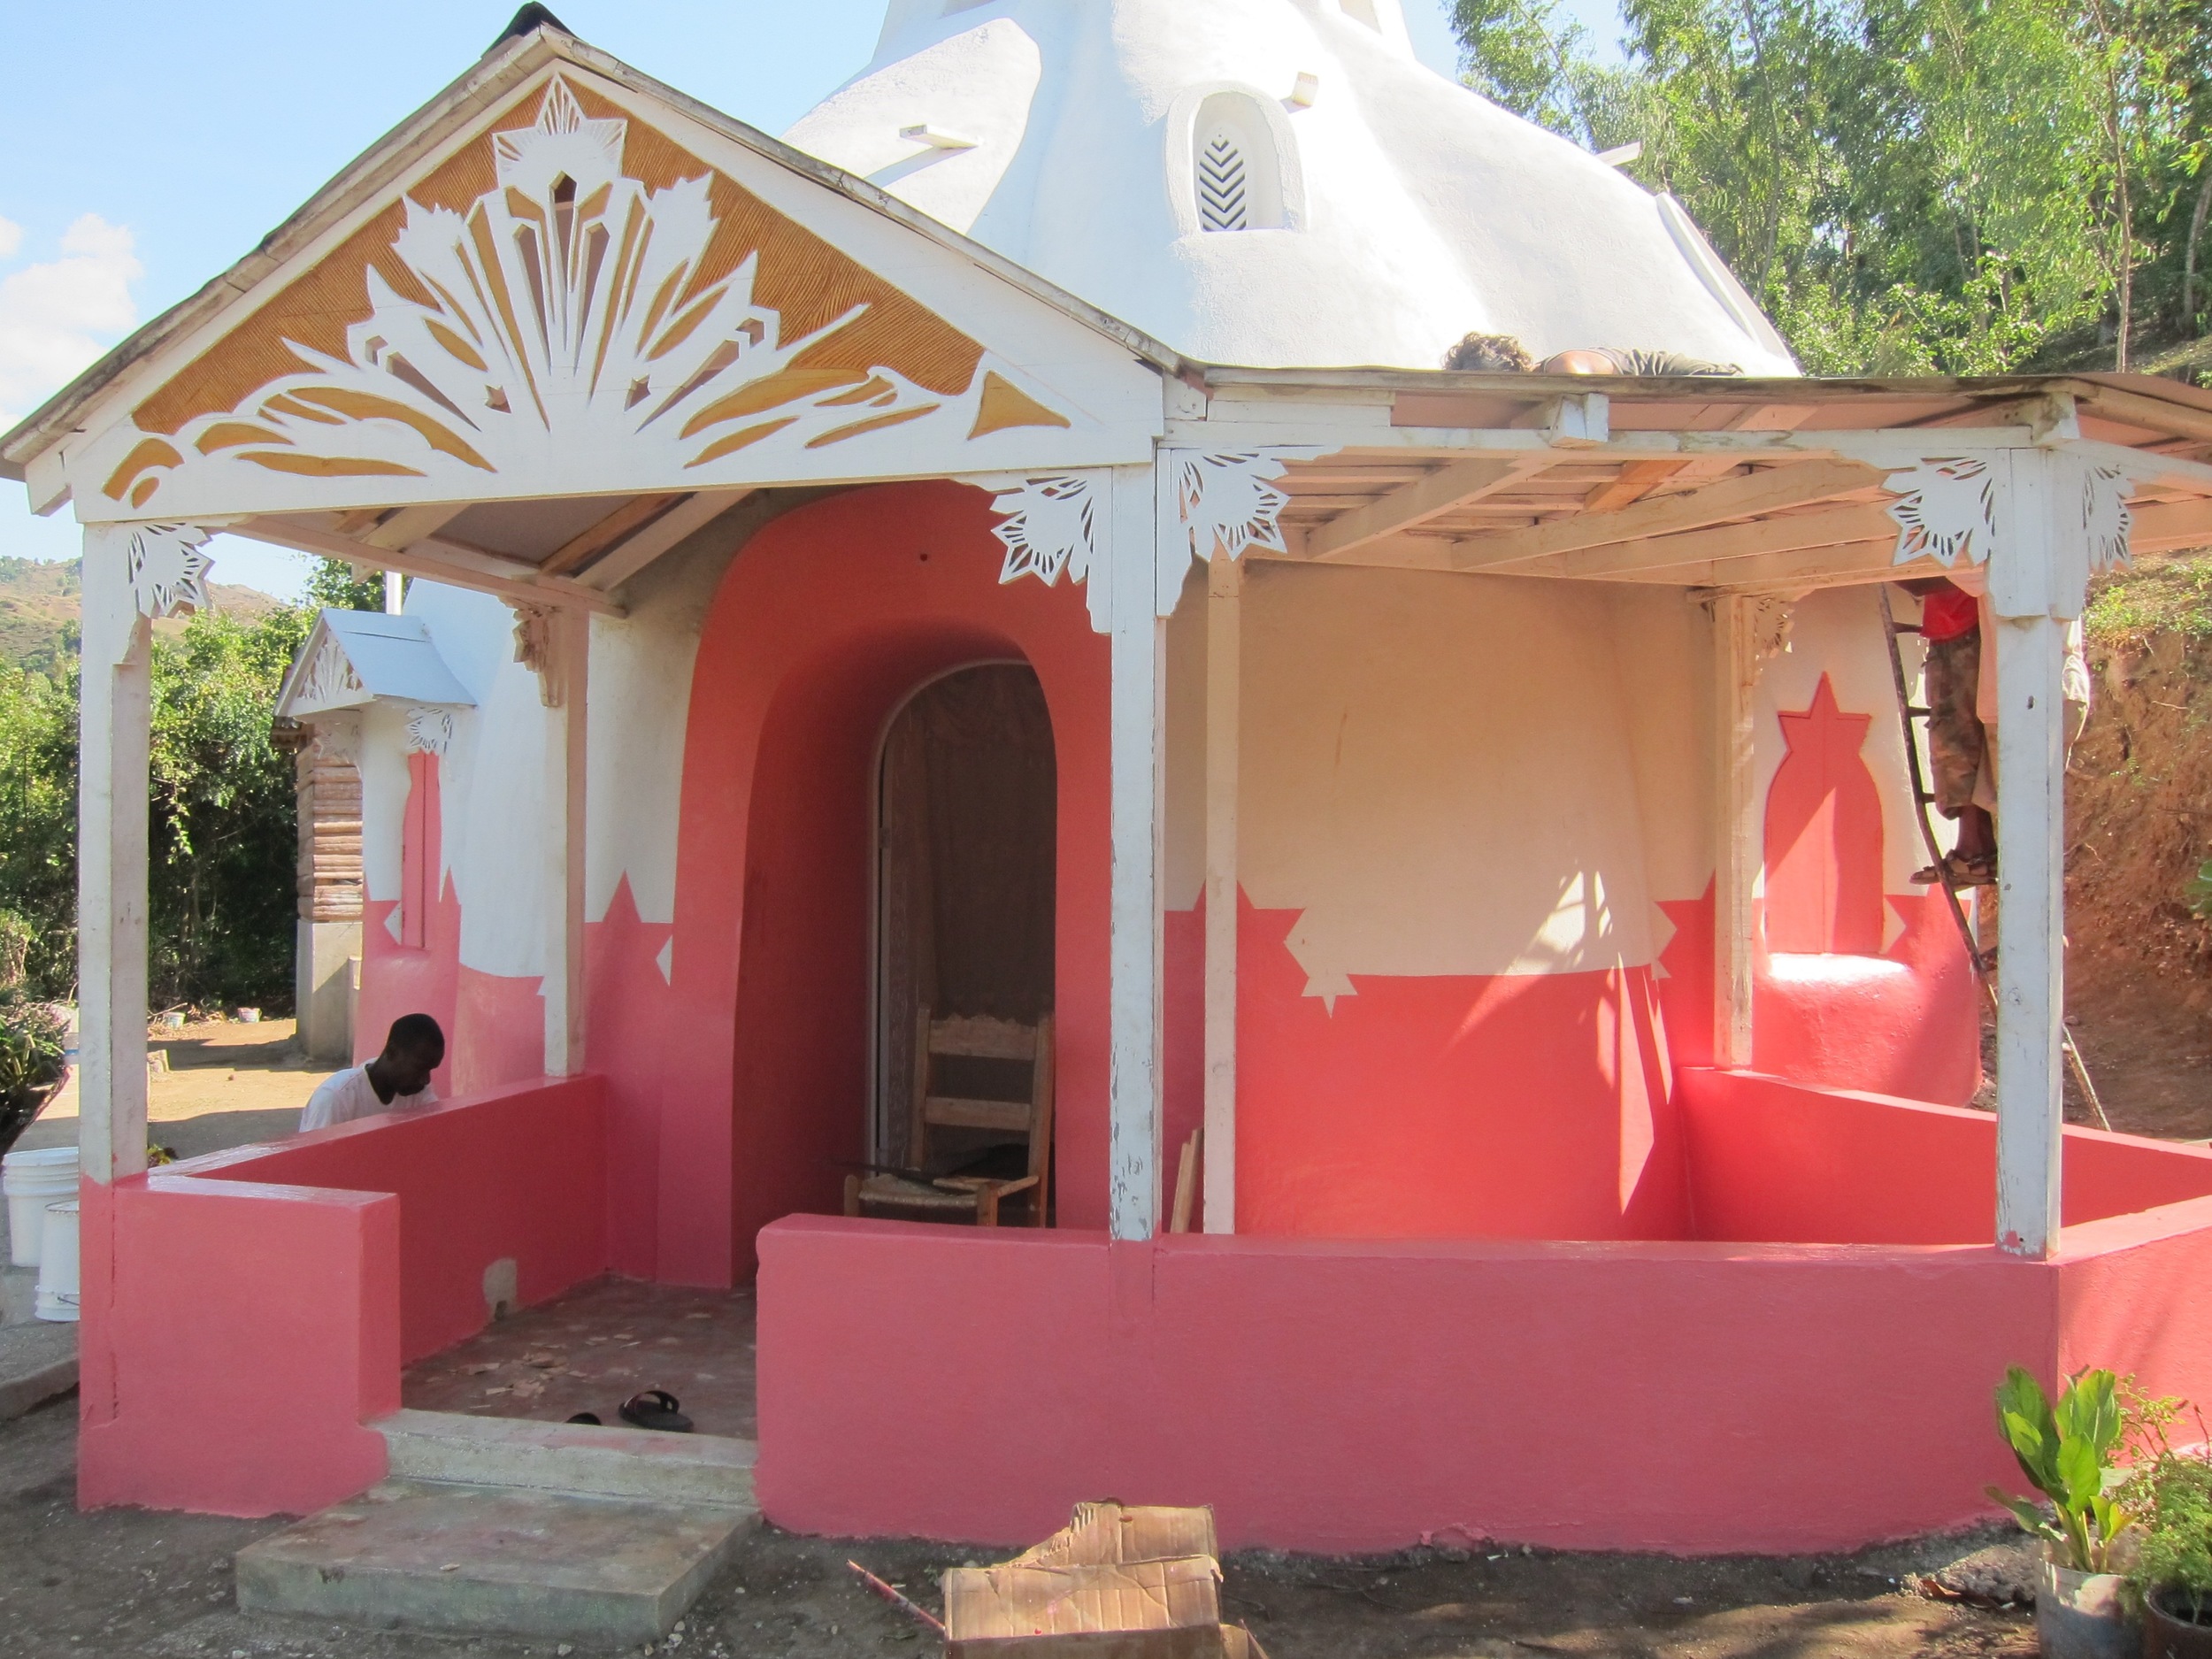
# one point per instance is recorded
(1959, 683)
(1962, 752)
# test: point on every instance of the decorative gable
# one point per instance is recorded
(353, 657)
(570, 302)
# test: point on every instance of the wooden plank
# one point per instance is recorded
(2031, 921)
(1785, 533)
(406, 525)
(629, 558)
(565, 782)
(1444, 490)
(1225, 588)
(952, 1111)
(1735, 828)
(2134, 409)
(595, 538)
(978, 1037)
(113, 738)
(438, 562)
(1635, 480)
(2162, 527)
(1744, 497)
(1143, 517)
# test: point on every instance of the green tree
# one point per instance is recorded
(333, 586)
(1908, 186)
(38, 821)
(224, 844)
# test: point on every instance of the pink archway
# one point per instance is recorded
(824, 622)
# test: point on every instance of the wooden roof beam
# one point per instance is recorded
(1770, 491)
(626, 558)
(1446, 489)
(437, 561)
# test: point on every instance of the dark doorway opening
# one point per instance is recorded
(967, 815)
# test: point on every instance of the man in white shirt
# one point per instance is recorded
(399, 1076)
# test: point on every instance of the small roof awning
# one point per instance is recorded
(354, 657)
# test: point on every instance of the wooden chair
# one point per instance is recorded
(979, 1195)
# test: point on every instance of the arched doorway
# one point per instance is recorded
(967, 838)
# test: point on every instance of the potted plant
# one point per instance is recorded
(2170, 1494)
(33, 1041)
(2070, 1454)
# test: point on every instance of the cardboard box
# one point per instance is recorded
(1103, 1534)
(1146, 1610)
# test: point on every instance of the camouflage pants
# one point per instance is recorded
(1958, 745)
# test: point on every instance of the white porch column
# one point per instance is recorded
(1736, 838)
(556, 642)
(131, 573)
(2037, 569)
(2040, 520)
(1225, 588)
(1138, 632)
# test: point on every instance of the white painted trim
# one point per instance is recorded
(2030, 918)
(566, 772)
(1736, 841)
(113, 738)
(1139, 502)
(1225, 586)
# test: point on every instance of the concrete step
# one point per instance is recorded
(37, 1363)
(572, 1458)
(497, 1560)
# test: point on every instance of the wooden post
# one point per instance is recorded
(1137, 702)
(112, 744)
(566, 728)
(1736, 839)
(2034, 515)
(1224, 587)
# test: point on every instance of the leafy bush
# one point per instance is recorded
(2171, 1497)
(2069, 1453)
(33, 1041)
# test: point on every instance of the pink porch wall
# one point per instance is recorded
(1769, 1158)
(1349, 1396)
(246, 1312)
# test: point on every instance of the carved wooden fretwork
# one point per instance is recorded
(429, 729)
(1050, 528)
(1946, 509)
(2105, 515)
(1770, 621)
(327, 679)
(537, 649)
(577, 310)
(1231, 501)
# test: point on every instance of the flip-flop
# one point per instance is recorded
(592, 1417)
(655, 1409)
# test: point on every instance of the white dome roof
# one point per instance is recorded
(1115, 147)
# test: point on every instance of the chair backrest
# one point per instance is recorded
(978, 1038)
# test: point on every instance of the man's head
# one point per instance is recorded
(1489, 354)
(413, 1048)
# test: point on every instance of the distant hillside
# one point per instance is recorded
(39, 601)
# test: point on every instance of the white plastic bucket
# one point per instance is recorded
(56, 1298)
(32, 1180)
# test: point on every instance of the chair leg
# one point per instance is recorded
(852, 1195)
(987, 1207)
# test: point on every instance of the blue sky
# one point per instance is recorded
(162, 141)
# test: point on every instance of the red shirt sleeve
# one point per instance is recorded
(1948, 613)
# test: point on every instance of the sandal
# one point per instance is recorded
(591, 1417)
(1958, 873)
(655, 1409)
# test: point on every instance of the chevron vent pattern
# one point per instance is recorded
(1221, 186)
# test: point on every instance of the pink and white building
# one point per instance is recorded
(1478, 800)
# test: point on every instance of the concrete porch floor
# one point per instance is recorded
(592, 1349)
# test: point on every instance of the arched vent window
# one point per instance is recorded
(1236, 168)
(1223, 192)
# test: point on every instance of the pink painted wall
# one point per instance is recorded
(825, 621)
(1339, 1397)
(1772, 1159)
(246, 1313)
(1501, 1106)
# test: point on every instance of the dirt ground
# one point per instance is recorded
(129, 1583)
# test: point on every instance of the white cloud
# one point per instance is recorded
(58, 314)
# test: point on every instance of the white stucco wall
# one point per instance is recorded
(1420, 210)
